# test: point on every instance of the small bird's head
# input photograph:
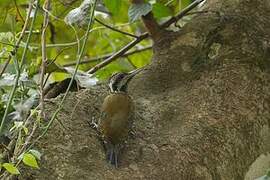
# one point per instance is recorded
(118, 82)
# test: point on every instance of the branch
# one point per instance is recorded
(5, 65)
(44, 56)
(19, 66)
(149, 21)
(152, 26)
(183, 13)
(100, 58)
(81, 52)
(118, 54)
(114, 29)
(17, 45)
(18, 12)
(142, 37)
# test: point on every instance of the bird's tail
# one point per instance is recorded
(112, 153)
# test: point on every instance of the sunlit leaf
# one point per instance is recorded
(161, 10)
(113, 5)
(30, 160)
(11, 168)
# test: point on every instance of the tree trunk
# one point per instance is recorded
(202, 106)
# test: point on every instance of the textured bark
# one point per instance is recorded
(203, 106)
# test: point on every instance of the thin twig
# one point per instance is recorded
(11, 95)
(5, 65)
(28, 139)
(142, 37)
(46, 5)
(18, 42)
(100, 58)
(14, 46)
(36, 46)
(5, 147)
(118, 54)
(45, 82)
(114, 29)
(181, 14)
(18, 12)
(58, 54)
(90, 23)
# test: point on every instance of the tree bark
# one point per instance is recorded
(202, 106)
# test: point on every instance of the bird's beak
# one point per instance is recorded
(131, 74)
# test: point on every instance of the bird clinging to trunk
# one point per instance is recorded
(116, 115)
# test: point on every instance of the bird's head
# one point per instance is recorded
(118, 82)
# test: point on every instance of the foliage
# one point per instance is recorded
(30, 160)
(137, 10)
(11, 168)
(22, 56)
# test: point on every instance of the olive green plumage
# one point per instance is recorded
(116, 115)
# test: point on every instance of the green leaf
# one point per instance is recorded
(113, 5)
(11, 168)
(30, 160)
(135, 11)
(36, 153)
(161, 10)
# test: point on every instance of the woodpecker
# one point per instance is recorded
(116, 115)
